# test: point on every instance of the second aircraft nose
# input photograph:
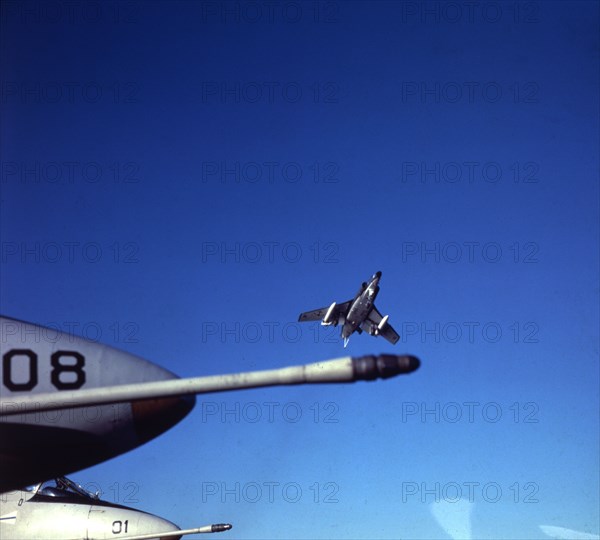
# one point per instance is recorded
(113, 521)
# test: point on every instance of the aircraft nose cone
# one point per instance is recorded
(150, 524)
(378, 274)
(154, 416)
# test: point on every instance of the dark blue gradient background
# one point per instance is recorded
(181, 179)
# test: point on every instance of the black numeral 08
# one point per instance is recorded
(56, 375)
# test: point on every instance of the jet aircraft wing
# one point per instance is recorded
(338, 315)
(373, 320)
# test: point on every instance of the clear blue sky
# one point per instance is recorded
(181, 180)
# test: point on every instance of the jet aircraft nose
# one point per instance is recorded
(108, 521)
(378, 274)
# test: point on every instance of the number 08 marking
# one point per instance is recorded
(74, 369)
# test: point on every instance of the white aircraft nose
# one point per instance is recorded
(112, 521)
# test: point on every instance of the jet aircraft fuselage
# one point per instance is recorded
(356, 315)
(361, 306)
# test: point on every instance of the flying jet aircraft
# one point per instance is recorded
(356, 315)
(68, 403)
(60, 509)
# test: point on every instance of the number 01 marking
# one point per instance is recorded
(120, 526)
